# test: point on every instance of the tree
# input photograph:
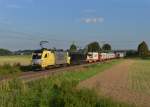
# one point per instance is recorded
(143, 50)
(73, 47)
(93, 47)
(5, 52)
(106, 47)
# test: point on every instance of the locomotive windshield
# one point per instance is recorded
(37, 56)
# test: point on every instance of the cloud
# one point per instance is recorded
(13, 6)
(92, 20)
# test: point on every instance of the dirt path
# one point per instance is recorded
(114, 83)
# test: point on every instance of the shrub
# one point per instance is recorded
(9, 69)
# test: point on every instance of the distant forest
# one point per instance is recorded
(5, 52)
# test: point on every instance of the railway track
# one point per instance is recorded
(35, 75)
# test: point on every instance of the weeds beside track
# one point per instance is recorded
(25, 73)
(56, 91)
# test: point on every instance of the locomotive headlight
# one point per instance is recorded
(39, 61)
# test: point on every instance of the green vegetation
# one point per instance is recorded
(73, 47)
(14, 64)
(106, 47)
(88, 72)
(143, 50)
(140, 76)
(5, 52)
(22, 59)
(56, 91)
(132, 54)
(8, 69)
(13, 70)
(51, 93)
(93, 47)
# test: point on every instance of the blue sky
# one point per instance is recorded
(122, 23)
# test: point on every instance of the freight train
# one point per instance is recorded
(45, 58)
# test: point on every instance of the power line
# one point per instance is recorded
(41, 36)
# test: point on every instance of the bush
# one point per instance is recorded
(66, 95)
(9, 69)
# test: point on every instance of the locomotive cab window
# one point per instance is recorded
(36, 56)
(45, 56)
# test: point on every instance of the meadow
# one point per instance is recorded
(56, 91)
(21, 59)
(10, 65)
(139, 76)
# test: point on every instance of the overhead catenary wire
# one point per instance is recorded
(48, 37)
(28, 36)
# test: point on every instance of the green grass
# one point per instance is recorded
(8, 69)
(90, 71)
(13, 70)
(139, 76)
(22, 59)
(14, 64)
(51, 93)
(56, 91)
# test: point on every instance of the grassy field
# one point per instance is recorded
(22, 59)
(140, 76)
(56, 91)
(13, 64)
(9, 70)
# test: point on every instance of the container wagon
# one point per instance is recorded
(92, 57)
(77, 58)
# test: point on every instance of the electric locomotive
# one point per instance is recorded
(45, 58)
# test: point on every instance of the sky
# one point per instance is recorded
(122, 23)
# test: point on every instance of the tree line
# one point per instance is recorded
(92, 47)
(6, 52)
(142, 50)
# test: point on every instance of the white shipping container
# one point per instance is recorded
(110, 55)
(121, 54)
(103, 56)
(92, 57)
